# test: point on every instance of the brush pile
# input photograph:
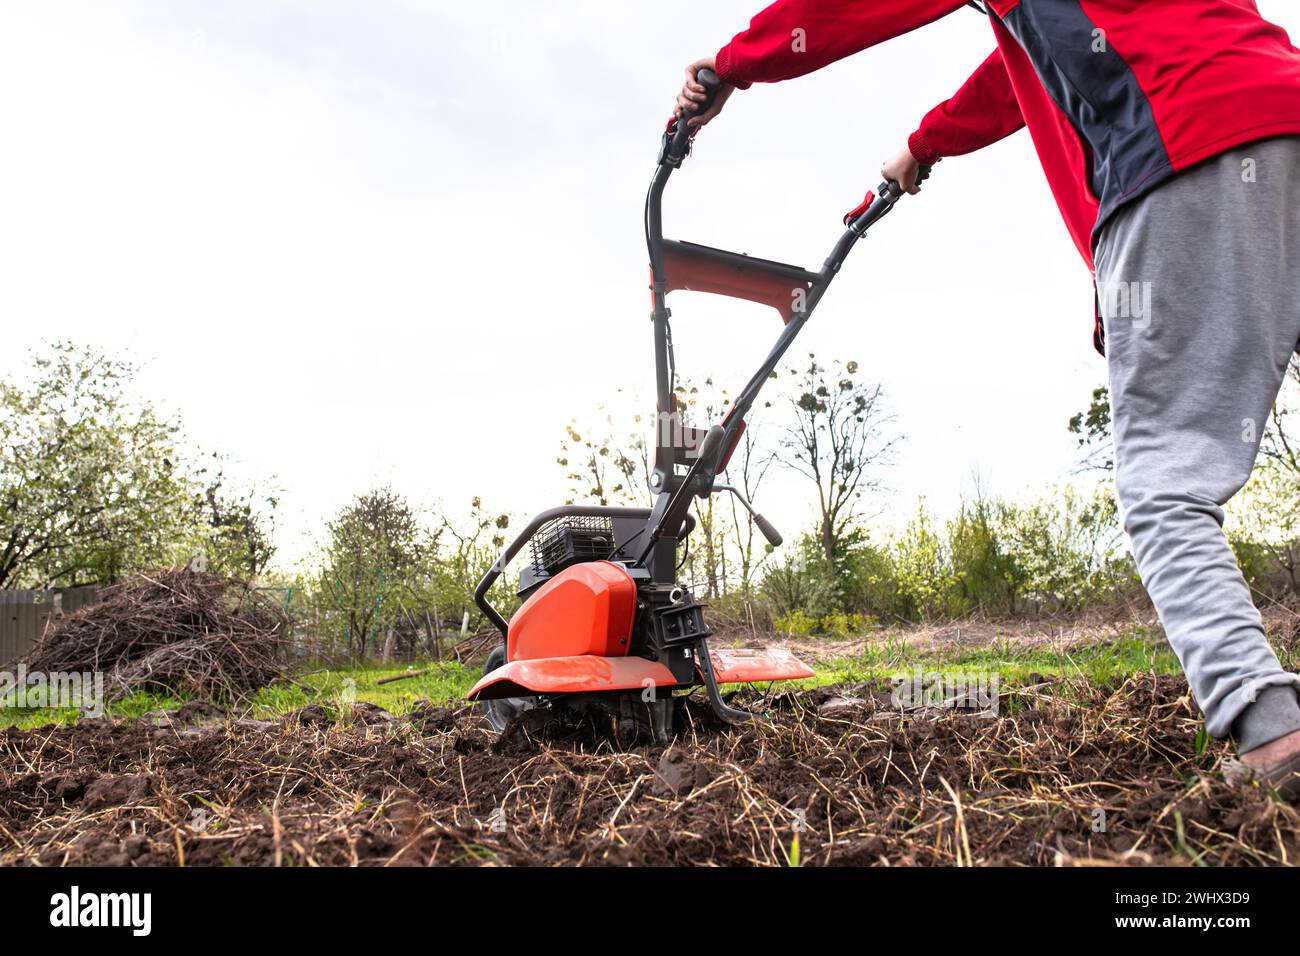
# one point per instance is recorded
(174, 631)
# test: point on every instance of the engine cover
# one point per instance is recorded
(585, 609)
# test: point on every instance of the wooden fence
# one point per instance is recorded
(24, 615)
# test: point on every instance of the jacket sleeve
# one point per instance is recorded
(795, 37)
(982, 112)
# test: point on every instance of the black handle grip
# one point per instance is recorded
(711, 83)
(895, 191)
(769, 531)
(681, 130)
(710, 450)
(878, 204)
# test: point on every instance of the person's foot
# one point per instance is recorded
(1275, 765)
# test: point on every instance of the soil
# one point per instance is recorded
(1071, 773)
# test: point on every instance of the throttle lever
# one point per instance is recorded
(889, 192)
(766, 527)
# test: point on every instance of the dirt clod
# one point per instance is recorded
(112, 791)
(677, 774)
(370, 714)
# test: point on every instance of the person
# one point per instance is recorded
(1170, 135)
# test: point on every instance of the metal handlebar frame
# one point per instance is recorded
(669, 519)
(675, 495)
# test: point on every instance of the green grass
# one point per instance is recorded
(444, 683)
(331, 687)
(1140, 651)
(1136, 653)
(28, 718)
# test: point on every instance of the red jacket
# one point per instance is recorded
(1118, 95)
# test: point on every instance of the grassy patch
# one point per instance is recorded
(1140, 652)
(1135, 654)
(444, 682)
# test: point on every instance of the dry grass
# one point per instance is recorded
(1070, 773)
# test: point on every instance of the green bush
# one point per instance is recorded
(800, 583)
(987, 575)
(1264, 531)
(926, 579)
(839, 624)
(869, 584)
(796, 623)
(999, 558)
(1257, 565)
(1066, 550)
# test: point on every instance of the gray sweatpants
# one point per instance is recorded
(1200, 289)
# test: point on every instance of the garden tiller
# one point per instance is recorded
(605, 629)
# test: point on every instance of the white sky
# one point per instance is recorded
(399, 241)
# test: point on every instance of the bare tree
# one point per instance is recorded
(749, 466)
(839, 439)
(705, 405)
(1278, 444)
(608, 461)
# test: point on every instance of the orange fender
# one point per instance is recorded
(585, 609)
(743, 665)
(583, 673)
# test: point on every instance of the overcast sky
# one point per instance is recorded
(399, 241)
